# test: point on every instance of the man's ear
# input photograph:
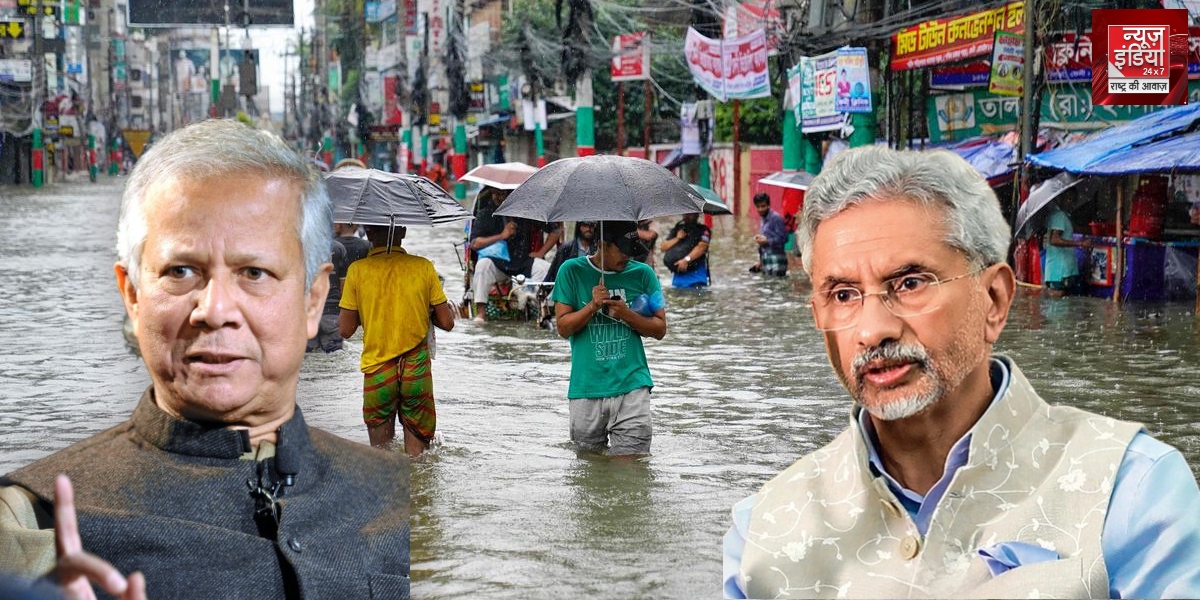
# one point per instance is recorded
(314, 307)
(1000, 284)
(129, 292)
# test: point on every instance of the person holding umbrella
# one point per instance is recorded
(605, 304)
(394, 295)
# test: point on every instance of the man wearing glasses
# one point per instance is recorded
(954, 477)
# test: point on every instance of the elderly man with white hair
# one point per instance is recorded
(954, 477)
(216, 487)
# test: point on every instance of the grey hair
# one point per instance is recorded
(938, 178)
(217, 148)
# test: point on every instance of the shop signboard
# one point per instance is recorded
(1008, 59)
(972, 74)
(16, 70)
(1066, 107)
(853, 93)
(12, 29)
(942, 41)
(631, 57)
(1069, 58)
(818, 79)
(172, 13)
(377, 12)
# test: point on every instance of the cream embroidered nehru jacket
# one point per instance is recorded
(828, 527)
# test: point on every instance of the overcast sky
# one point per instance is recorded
(272, 44)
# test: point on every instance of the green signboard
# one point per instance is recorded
(1069, 107)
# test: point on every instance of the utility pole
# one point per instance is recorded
(620, 119)
(737, 156)
(646, 123)
(1027, 92)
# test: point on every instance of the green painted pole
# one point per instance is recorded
(538, 144)
(92, 168)
(705, 172)
(114, 157)
(585, 118)
(460, 159)
(425, 162)
(37, 178)
(793, 153)
(812, 155)
(405, 151)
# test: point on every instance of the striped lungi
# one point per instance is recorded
(404, 384)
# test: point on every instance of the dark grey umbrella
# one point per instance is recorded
(601, 188)
(374, 197)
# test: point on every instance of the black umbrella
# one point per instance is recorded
(601, 188)
(373, 197)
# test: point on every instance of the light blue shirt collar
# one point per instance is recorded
(919, 507)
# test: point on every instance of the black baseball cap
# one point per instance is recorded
(623, 235)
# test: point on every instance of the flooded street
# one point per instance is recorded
(503, 507)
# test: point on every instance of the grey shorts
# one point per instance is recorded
(619, 423)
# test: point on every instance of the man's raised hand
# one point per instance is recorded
(77, 570)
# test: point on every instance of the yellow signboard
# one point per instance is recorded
(137, 139)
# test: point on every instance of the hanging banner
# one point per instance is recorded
(631, 57)
(1008, 59)
(703, 57)
(729, 69)
(745, 61)
(818, 76)
(943, 41)
(853, 93)
(794, 90)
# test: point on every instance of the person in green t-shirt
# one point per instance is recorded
(604, 304)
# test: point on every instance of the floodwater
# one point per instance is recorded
(503, 507)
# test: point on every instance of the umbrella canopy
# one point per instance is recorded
(713, 204)
(373, 197)
(1042, 195)
(1111, 146)
(505, 176)
(796, 180)
(601, 188)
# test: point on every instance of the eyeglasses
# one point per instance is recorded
(907, 295)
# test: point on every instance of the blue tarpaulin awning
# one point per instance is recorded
(1162, 141)
(993, 159)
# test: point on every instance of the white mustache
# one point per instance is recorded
(890, 352)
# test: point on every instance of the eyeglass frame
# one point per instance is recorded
(883, 298)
